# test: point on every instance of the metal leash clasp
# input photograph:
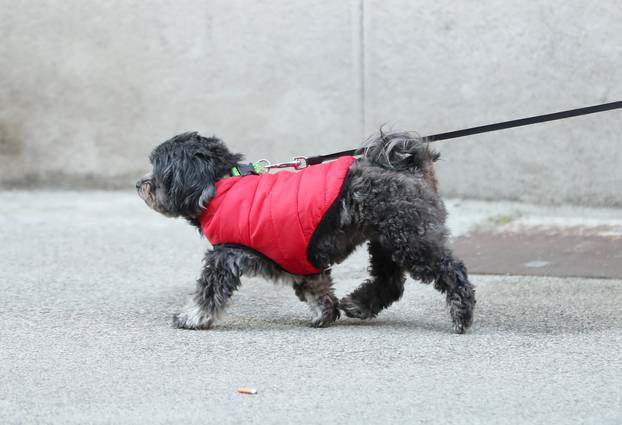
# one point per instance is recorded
(297, 163)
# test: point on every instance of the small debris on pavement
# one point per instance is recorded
(247, 390)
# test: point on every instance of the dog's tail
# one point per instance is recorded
(402, 151)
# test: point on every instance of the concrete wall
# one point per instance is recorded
(88, 88)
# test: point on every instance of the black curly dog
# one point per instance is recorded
(389, 199)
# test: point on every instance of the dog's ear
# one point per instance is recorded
(206, 195)
(213, 151)
(192, 185)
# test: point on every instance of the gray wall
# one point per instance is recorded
(88, 88)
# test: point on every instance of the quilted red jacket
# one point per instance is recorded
(275, 214)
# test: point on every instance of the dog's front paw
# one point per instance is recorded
(192, 319)
(328, 314)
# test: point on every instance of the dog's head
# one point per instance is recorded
(185, 170)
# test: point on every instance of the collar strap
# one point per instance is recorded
(246, 170)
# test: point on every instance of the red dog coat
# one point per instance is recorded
(275, 214)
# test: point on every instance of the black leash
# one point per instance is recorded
(301, 162)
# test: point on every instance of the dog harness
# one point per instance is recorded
(275, 214)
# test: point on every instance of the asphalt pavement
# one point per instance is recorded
(89, 282)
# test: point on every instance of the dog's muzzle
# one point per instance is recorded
(143, 187)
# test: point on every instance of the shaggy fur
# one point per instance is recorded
(389, 200)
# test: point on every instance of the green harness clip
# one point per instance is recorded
(247, 169)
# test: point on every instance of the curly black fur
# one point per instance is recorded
(384, 288)
(389, 199)
(399, 151)
(187, 166)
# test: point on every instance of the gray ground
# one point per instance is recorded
(89, 281)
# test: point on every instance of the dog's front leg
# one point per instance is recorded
(219, 278)
(317, 292)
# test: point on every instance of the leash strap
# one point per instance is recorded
(312, 160)
(526, 121)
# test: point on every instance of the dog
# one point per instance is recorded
(293, 226)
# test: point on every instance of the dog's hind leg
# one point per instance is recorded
(450, 277)
(416, 238)
(384, 288)
(437, 264)
(317, 292)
